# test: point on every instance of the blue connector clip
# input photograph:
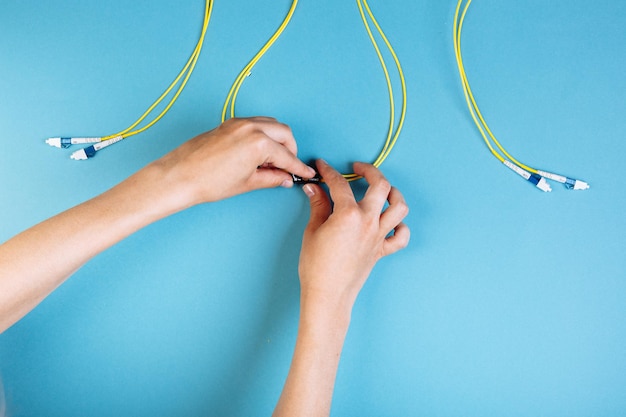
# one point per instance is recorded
(66, 142)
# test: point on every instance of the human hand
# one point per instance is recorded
(238, 156)
(341, 245)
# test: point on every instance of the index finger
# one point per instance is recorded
(340, 190)
(278, 132)
(279, 156)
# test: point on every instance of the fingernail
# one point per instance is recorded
(308, 190)
(287, 184)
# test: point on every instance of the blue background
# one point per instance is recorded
(508, 301)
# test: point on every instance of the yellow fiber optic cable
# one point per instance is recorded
(182, 78)
(392, 137)
(469, 96)
(234, 90)
(536, 176)
(394, 129)
(187, 69)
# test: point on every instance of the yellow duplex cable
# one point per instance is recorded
(391, 136)
(537, 177)
(457, 49)
(392, 103)
(184, 75)
(393, 132)
(187, 69)
(389, 144)
(477, 116)
(234, 90)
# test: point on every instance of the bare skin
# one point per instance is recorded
(339, 249)
(340, 246)
(213, 166)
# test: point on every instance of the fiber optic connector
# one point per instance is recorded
(83, 154)
(570, 183)
(90, 151)
(540, 182)
(67, 142)
(535, 179)
(573, 184)
(301, 181)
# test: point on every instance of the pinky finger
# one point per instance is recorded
(398, 241)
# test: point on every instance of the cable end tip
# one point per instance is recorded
(544, 186)
(540, 182)
(301, 181)
(79, 155)
(573, 184)
(55, 142)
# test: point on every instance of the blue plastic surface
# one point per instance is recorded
(509, 301)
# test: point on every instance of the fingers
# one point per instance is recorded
(399, 240)
(379, 188)
(278, 146)
(271, 178)
(391, 220)
(395, 213)
(370, 207)
(379, 192)
(339, 189)
(320, 206)
(277, 131)
(279, 156)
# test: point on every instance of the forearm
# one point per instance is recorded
(342, 242)
(35, 262)
(309, 387)
(238, 156)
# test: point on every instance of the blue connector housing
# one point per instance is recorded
(573, 184)
(534, 179)
(90, 151)
(540, 182)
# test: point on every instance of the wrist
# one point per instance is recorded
(170, 192)
(330, 310)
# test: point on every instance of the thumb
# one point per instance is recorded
(270, 178)
(320, 205)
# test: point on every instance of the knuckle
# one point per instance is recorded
(233, 123)
(384, 184)
(241, 125)
(284, 126)
(318, 203)
(403, 209)
(352, 215)
(259, 140)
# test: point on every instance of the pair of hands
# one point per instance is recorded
(341, 245)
